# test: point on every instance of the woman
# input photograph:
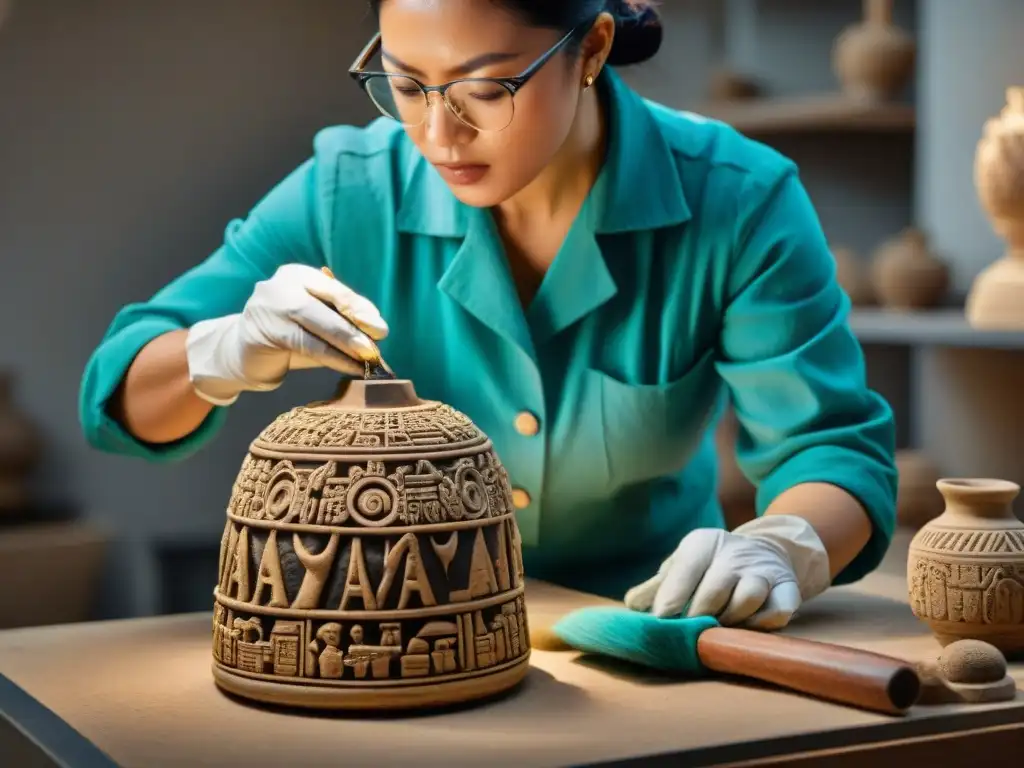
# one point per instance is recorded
(586, 274)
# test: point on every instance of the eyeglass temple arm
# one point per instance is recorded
(521, 79)
(366, 54)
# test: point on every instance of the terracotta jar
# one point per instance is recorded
(965, 570)
(20, 449)
(371, 559)
(905, 273)
(852, 276)
(874, 59)
(996, 299)
(918, 500)
(727, 85)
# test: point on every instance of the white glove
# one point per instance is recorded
(756, 576)
(299, 318)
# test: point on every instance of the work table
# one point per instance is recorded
(141, 691)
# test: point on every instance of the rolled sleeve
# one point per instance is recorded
(282, 228)
(103, 376)
(794, 369)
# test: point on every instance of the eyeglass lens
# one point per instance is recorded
(481, 104)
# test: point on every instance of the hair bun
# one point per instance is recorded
(638, 31)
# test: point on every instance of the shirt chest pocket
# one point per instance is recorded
(651, 430)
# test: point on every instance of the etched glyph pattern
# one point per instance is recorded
(328, 429)
(965, 568)
(370, 560)
(962, 576)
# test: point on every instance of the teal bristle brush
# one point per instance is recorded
(697, 647)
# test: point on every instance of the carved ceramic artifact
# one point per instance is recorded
(371, 559)
(852, 276)
(966, 567)
(726, 84)
(906, 274)
(874, 59)
(20, 449)
(917, 499)
(996, 299)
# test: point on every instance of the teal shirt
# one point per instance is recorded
(696, 271)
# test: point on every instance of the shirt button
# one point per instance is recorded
(520, 498)
(527, 424)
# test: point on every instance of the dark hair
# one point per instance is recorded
(638, 30)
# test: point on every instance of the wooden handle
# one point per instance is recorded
(833, 672)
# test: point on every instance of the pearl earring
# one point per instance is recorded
(588, 81)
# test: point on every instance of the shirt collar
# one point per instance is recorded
(639, 183)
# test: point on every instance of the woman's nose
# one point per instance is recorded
(444, 129)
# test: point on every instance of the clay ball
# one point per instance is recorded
(972, 662)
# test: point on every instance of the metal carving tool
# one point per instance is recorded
(375, 368)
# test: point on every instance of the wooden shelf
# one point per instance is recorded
(810, 114)
(945, 327)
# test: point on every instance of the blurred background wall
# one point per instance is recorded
(132, 132)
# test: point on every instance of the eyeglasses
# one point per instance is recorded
(482, 103)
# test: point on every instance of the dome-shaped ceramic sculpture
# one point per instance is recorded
(371, 559)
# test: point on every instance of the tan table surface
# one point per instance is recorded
(141, 690)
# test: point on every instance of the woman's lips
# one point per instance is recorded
(462, 173)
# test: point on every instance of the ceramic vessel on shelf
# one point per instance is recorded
(874, 59)
(20, 449)
(918, 500)
(852, 276)
(727, 85)
(371, 559)
(996, 299)
(906, 274)
(965, 570)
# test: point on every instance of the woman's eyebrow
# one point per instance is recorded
(463, 69)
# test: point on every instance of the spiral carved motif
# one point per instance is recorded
(372, 501)
(370, 555)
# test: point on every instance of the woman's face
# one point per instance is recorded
(437, 42)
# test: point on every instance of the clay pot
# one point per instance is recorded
(996, 299)
(371, 559)
(965, 570)
(918, 501)
(873, 59)
(852, 276)
(727, 85)
(906, 275)
(20, 449)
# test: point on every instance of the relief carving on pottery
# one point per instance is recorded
(371, 495)
(309, 590)
(367, 553)
(965, 570)
(946, 588)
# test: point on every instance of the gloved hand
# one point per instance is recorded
(756, 576)
(298, 318)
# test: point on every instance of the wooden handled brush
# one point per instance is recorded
(696, 646)
(833, 672)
